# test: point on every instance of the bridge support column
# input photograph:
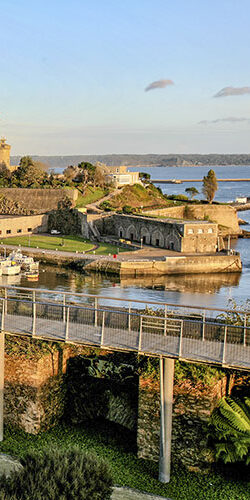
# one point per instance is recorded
(166, 394)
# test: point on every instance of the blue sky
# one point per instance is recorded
(73, 76)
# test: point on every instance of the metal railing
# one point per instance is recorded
(181, 332)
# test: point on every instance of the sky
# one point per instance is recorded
(131, 76)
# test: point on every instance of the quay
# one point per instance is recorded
(180, 181)
(162, 330)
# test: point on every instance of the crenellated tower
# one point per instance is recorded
(4, 152)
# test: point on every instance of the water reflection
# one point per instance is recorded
(196, 283)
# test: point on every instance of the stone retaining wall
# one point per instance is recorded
(191, 411)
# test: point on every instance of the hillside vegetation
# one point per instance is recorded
(138, 196)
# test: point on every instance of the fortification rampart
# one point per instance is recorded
(39, 200)
(224, 215)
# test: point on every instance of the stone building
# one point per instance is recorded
(16, 225)
(178, 235)
(120, 176)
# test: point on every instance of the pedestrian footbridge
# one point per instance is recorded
(205, 335)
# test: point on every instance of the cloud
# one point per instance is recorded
(159, 84)
(231, 119)
(227, 91)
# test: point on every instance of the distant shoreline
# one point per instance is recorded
(144, 161)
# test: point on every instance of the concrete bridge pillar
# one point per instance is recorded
(166, 395)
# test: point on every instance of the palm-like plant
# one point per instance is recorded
(231, 429)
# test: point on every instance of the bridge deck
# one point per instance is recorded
(176, 343)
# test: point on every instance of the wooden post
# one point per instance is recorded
(166, 395)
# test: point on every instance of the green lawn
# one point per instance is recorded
(91, 195)
(128, 470)
(65, 243)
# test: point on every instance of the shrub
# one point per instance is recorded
(230, 422)
(58, 475)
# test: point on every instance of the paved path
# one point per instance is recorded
(131, 494)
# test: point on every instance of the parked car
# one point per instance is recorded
(54, 231)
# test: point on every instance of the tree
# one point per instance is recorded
(231, 429)
(192, 192)
(144, 176)
(28, 174)
(210, 185)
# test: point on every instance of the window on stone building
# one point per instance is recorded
(157, 242)
(121, 235)
(131, 236)
(29, 229)
(19, 230)
(200, 231)
(210, 230)
(190, 231)
(8, 231)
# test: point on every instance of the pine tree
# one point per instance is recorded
(210, 185)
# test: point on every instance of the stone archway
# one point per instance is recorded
(173, 242)
(131, 233)
(157, 238)
(145, 236)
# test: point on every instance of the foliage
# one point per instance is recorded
(57, 474)
(144, 176)
(138, 196)
(127, 209)
(210, 185)
(192, 192)
(28, 174)
(112, 444)
(64, 219)
(180, 197)
(230, 422)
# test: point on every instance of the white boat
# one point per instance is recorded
(24, 261)
(10, 269)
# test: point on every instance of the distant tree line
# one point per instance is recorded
(148, 160)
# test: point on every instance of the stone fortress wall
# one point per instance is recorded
(177, 235)
(224, 215)
(39, 200)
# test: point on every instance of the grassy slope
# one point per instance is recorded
(137, 196)
(127, 470)
(91, 195)
(70, 243)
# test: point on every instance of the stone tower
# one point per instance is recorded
(4, 152)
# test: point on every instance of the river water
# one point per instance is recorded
(211, 290)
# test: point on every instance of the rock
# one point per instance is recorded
(120, 493)
(8, 465)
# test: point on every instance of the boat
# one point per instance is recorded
(26, 263)
(10, 268)
(32, 275)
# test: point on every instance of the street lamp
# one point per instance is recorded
(141, 242)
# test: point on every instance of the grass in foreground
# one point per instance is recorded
(63, 243)
(127, 470)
